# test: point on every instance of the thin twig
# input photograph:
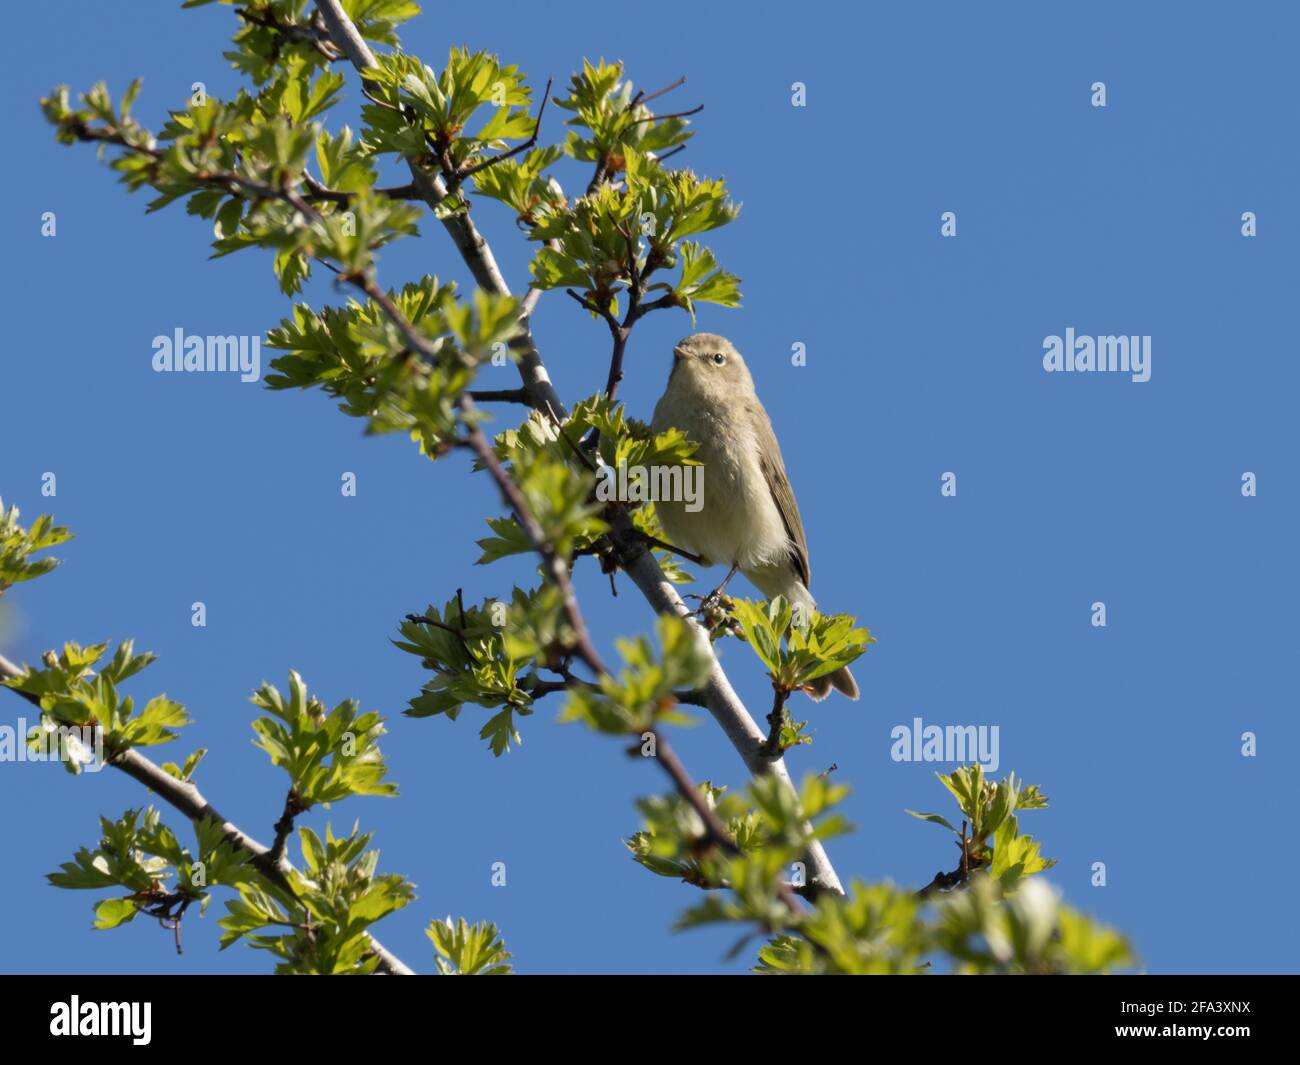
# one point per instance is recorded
(317, 191)
(596, 309)
(501, 395)
(433, 623)
(294, 33)
(642, 98)
(465, 171)
(671, 114)
(713, 826)
(663, 545)
(556, 568)
(473, 248)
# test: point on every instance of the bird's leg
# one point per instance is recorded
(714, 599)
(725, 580)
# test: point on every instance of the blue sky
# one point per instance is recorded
(924, 356)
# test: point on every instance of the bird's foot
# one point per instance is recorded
(714, 609)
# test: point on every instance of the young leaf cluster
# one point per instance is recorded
(18, 544)
(465, 949)
(328, 755)
(72, 694)
(321, 926)
(357, 355)
(989, 810)
(643, 694)
(987, 927)
(612, 240)
(495, 666)
(796, 651)
(608, 121)
(140, 853)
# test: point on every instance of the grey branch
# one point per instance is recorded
(720, 697)
(464, 233)
(722, 701)
(582, 647)
(187, 798)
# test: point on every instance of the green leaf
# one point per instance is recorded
(328, 755)
(113, 912)
(17, 545)
(936, 819)
(464, 949)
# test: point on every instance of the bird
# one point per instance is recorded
(749, 518)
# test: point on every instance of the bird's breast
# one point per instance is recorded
(738, 521)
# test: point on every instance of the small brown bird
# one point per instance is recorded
(749, 518)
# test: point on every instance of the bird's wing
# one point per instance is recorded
(769, 457)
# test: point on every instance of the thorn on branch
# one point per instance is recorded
(596, 309)
(433, 623)
(642, 98)
(577, 450)
(671, 114)
(663, 545)
(502, 395)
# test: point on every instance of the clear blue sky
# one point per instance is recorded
(924, 356)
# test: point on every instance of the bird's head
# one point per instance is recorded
(708, 364)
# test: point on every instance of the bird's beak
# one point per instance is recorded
(681, 353)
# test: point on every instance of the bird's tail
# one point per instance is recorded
(781, 580)
(841, 680)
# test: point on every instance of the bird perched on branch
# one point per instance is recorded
(749, 518)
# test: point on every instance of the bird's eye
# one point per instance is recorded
(719, 359)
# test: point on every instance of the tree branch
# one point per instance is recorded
(775, 719)
(663, 545)
(284, 827)
(642, 98)
(558, 572)
(556, 568)
(595, 308)
(720, 697)
(186, 797)
(722, 701)
(947, 881)
(523, 146)
(316, 191)
(501, 395)
(292, 32)
(464, 234)
(672, 114)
